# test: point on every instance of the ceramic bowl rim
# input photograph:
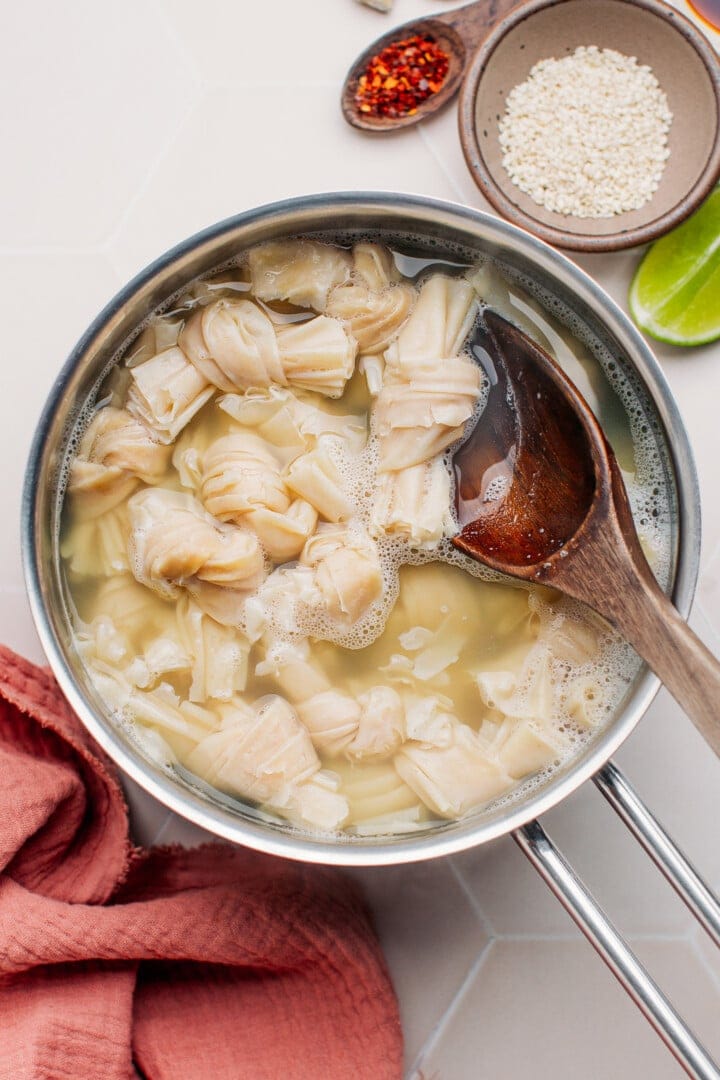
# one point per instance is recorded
(573, 240)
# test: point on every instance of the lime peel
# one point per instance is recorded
(675, 294)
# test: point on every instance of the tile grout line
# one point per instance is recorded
(442, 166)
(472, 899)
(573, 936)
(694, 943)
(173, 134)
(36, 250)
(275, 84)
(439, 1027)
(163, 828)
(714, 554)
(689, 938)
(186, 55)
(699, 608)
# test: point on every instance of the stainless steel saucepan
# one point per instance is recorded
(427, 229)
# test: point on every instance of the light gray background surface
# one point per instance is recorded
(128, 126)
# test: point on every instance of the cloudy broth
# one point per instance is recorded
(448, 673)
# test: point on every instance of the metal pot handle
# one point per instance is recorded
(600, 932)
(663, 851)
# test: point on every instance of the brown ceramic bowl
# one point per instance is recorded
(686, 67)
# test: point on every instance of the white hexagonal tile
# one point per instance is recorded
(678, 776)
(708, 954)
(512, 897)
(177, 830)
(232, 44)
(440, 133)
(614, 270)
(19, 631)
(147, 815)
(689, 373)
(708, 599)
(96, 88)
(228, 158)
(691, 376)
(553, 1010)
(49, 301)
(431, 936)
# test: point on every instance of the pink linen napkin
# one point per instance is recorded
(215, 963)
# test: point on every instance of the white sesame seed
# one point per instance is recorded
(587, 135)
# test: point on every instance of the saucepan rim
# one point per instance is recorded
(335, 210)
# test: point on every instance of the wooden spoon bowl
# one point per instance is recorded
(457, 32)
(449, 41)
(541, 497)
(526, 478)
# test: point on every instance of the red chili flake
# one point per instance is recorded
(401, 76)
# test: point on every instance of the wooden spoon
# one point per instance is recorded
(540, 496)
(457, 32)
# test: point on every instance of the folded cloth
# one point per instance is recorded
(175, 964)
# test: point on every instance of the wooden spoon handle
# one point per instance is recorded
(473, 21)
(662, 637)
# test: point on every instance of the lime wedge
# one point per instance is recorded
(675, 294)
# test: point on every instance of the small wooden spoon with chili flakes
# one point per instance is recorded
(540, 496)
(455, 33)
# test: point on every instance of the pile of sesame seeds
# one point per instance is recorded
(587, 135)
